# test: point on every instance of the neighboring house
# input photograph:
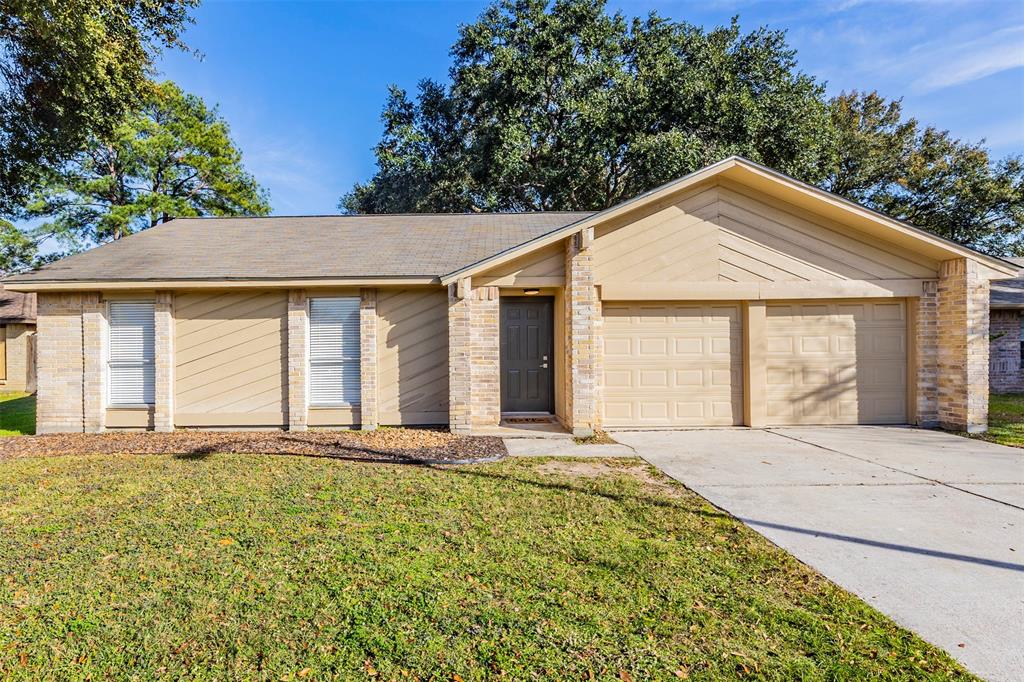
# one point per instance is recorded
(17, 343)
(732, 296)
(1006, 361)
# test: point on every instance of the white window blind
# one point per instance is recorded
(334, 351)
(132, 378)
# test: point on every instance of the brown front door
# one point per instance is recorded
(527, 355)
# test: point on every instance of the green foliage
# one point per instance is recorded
(173, 158)
(72, 69)
(17, 249)
(924, 176)
(212, 567)
(560, 106)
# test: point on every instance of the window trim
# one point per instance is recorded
(110, 363)
(309, 354)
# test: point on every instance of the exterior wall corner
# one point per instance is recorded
(963, 346)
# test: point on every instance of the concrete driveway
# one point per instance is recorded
(925, 526)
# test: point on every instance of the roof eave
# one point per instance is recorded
(37, 285)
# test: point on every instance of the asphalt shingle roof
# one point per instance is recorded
(424, 245)
(17, 307)
(1008, 293)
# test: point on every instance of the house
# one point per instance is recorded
(17, 342)
(732, 296)
(1006, 361)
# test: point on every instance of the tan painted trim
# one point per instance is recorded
(755, 375)
(745, 170)
(754, 291)
(334, 416)
(520, 281)
(129, 418)
(275, 419)
(80, 285)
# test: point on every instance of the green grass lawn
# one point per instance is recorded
(17, 414)
(278, 567)
(1006, 419)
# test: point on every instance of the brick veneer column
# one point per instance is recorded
(94, 343)
(474, 386)
(963, 322)
(583, 336)
(60, 363)
(298, 340)
(368, 409)
(926, 351)
(163, 409)
(485, 356)
(459, 376)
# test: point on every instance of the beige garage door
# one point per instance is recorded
(672, 364)
(837, 362)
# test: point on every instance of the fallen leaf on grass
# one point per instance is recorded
(226, 541)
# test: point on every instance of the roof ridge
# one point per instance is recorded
(375, 215)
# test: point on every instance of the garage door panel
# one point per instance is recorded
(672, 364)
(842, 362)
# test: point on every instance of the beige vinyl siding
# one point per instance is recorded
(3, 352)
(722, 232)
(412, 356)
(230, 358)
(672, 364)
(836, 362)
(543, 267)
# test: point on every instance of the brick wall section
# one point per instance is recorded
(474, 351)
(163, 318)
(1004, 368)
(926, 355)
(485, 356)
(94, 342)
(19, 374)
(963, 330)
(60, 363)
(298, 333)
(459, 379)
(368, 407)
(583, 338)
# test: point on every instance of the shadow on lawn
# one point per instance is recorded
(339, 450)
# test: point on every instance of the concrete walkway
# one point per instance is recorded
(926, 526)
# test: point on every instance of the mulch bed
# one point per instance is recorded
(409, 446)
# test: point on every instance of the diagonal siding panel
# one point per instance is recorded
(412, 356)
(230, 358)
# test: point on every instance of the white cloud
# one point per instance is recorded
(947, 65)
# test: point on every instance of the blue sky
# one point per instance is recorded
(302, 83)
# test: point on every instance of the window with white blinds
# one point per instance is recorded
(334, 351)
(132, 344)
